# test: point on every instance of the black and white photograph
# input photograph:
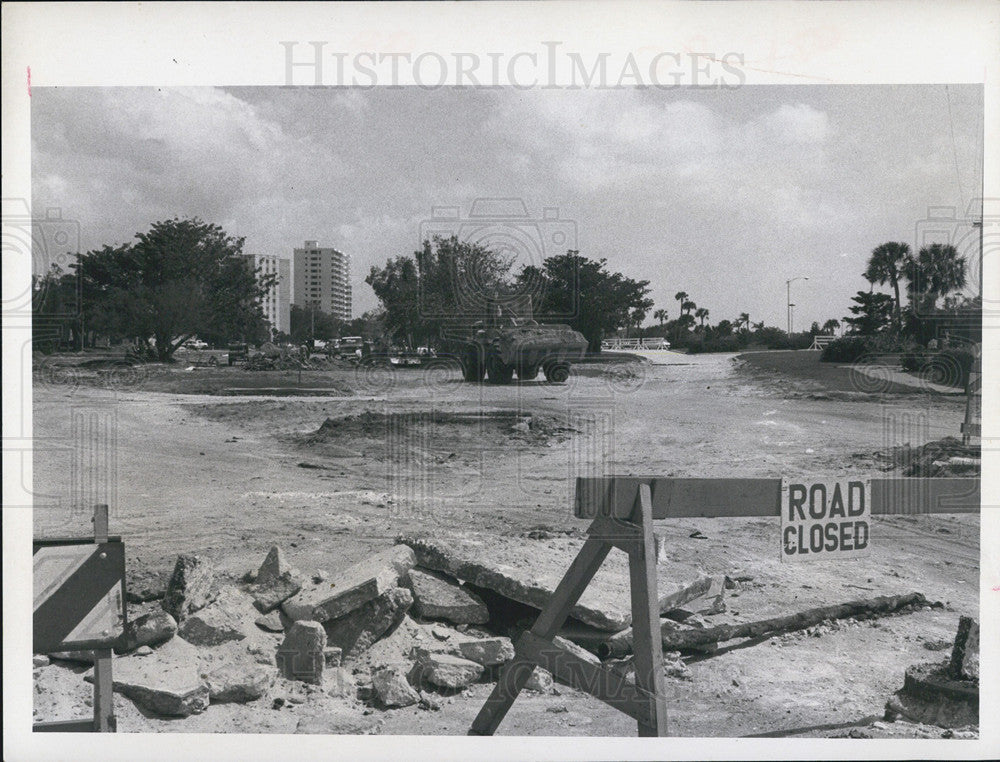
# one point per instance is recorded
(388, 381)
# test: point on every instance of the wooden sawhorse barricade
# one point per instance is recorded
(623, 510)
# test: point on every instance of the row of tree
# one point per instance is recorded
(932, 280)
(180, 279)
(446, 284)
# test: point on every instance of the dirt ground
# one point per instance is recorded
(332, 476)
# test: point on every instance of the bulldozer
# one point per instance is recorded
(509, 341)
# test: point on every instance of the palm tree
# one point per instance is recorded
(660, 315)
(702, 314)
(886, 265)
(831, 325)
(936, 271)
(681, 296)
(743, 321)
(687, 306)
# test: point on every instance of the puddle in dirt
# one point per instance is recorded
(445, 433)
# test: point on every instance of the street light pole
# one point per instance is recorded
(788, 299)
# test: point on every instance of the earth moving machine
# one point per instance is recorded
(506, 343)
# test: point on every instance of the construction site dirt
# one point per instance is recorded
(337, 476)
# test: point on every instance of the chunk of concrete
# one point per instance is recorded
(166, 682)
(238, 682)
(147, 630)
(436, 596)
(230, 616)
(276, 582)
(578, 651)
(445, 670)
(528, 571)
(191, 587)
(541, 681)
(393, 689)
(352, 588)
(489, 652)
(964, 663)
(300, 656)
(359, 629)
(270, 622)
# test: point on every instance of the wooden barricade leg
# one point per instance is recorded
(647, 645)
(104, 708)
(515, 675)
(645, 699)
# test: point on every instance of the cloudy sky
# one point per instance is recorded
(722, 194)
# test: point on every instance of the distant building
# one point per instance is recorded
(278, 299)
(322, 279)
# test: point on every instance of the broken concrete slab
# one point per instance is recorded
(147, 630)
(276, 581)
(489, 652)
(528, 571)
(166, 682)
(270, 622)
(230, 616)
(359, 629)
(238, 682)
(445, 670)
(300, 656)
(578, 651)
(191, 587)
(393, 689)
(436, 596)
(269, 596)
(964, 663)
(353, 587)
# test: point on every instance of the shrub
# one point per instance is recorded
(846, 349)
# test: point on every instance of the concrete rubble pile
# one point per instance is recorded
(411, 625)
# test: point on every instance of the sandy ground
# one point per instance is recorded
(408, 452)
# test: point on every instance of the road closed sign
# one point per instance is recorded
(825, 519)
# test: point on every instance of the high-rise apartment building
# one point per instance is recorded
(278, 299)
(322, 279)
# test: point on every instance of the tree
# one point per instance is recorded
(872, 313)
(886, 264)
(830, 326)
(743, 321)
(702, 314)
(814, 328)
(179, 279)
(661, 315)
(681, 297)
(935, 272)
(308, 323)
(603, 301)
(446, 282)
(688, 306)
(724, 328)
